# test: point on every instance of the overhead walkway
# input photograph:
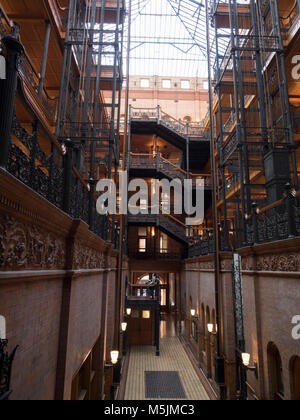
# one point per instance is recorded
(149, 121)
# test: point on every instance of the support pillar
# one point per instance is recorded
(8, 89)
(44, 59)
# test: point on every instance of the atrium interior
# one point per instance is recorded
(149, 200)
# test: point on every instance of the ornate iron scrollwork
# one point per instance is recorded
(6, 361)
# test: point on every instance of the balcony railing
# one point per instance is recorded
(152, 255)
(28, 73)
(55, 177)
(169, 168)
(184, 129)
(274, 222)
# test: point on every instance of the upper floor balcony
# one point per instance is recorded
(152, 164)
(146, 117)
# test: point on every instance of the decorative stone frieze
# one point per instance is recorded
(28, 246)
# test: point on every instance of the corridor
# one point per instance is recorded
(168, 377)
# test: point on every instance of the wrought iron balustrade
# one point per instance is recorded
(201, 245)
(27, 70)
(47, 174)
(169, 168)
(184, 129)
(152, 255)
(6, 361)
(275, 222)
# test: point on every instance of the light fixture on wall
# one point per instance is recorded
(114, 356)
(193, 312)
(212, 329)
(124, 326)
(128, 311)
(246, 357)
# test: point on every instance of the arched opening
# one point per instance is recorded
(295, 378)
(275, 373)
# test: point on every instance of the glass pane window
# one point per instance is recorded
(166, 84)
(145, 83)
(185, 84)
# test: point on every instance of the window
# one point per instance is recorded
(142, 245)
(276, 373)
(86, 385)
(145, 83)
(163, 244)
(205, 85)
(143, 231)
(146, 314)
(166, 84)
(185, 84)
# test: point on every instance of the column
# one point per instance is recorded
(8, 89)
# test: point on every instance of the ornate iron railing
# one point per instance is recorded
(6, 361)
(184, 129)
(55, 180)
(202, 245)
(27, 71)
(275, 222)
(168, 168)
(151, 255)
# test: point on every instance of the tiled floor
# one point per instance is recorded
(173, 358)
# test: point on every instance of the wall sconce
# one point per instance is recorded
(128, 311)
(212, 329)
(124, 326)
(64, 149)
(193, 312)
(246, 363)
(114, 356)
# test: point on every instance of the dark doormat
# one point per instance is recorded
(164, 385)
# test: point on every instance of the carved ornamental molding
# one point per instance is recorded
(283, 262)
(28, 246)
(87, 258)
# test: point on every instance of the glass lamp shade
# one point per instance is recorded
(124, 326)
(114, 355)
(246, 359)
(210, 328)
(193, 312)
(128, 311)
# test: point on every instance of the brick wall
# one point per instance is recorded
(53, 274)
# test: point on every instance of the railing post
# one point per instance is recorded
(158, 114)
(8, 89)
(290, 211)
(44, 59)
(33, 152)
(92, 205)
(68, 159)
(255, 222)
